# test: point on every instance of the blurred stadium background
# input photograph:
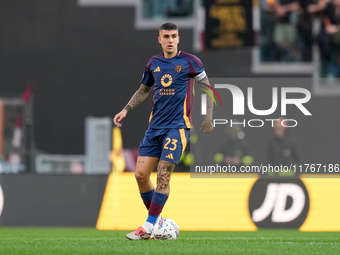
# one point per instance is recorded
(67, 67)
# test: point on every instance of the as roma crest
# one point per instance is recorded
(178, 68)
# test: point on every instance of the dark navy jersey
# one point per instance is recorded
(173, 88)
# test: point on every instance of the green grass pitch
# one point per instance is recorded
(91, 241)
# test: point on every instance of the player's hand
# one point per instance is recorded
(280, 11)
(311, 9)
(331, 29)
(119, 117)
(207, 126)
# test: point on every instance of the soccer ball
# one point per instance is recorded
(166, 229)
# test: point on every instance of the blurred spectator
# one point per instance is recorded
(282, 149)
(160, 9)
(304, 27)
(267, 22)
(286, 30)
(180, 8)
(130, 157)
(329, 38)
(235, 151)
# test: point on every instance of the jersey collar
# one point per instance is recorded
(178, 53)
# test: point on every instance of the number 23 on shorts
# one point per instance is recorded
(171, 144)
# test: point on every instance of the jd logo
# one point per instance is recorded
(278, 203)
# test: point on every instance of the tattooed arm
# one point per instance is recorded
(207, 125)
(164, 170)
(140, 95)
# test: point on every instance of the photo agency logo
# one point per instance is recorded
(295, 96)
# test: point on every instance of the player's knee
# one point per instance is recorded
(141, 177)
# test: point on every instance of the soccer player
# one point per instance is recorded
(172, 75)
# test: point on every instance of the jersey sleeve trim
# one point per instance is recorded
(147, 70)
(154, 58)
(197, 61)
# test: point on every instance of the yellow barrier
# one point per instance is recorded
(194, 203)
(211, 203)
(117, 157)
(324, 211)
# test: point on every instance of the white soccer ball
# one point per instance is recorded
(166, 229)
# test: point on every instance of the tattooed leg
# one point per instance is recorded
(164, 170)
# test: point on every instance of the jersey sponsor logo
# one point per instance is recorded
(167, 92)
(170, 156)
(178, 68)
(166, 80)
(157, 69)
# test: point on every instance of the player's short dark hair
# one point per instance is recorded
(168, 26)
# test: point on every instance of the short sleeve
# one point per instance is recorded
(197, 68)
(147, 78)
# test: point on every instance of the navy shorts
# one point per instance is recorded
(166, 143)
